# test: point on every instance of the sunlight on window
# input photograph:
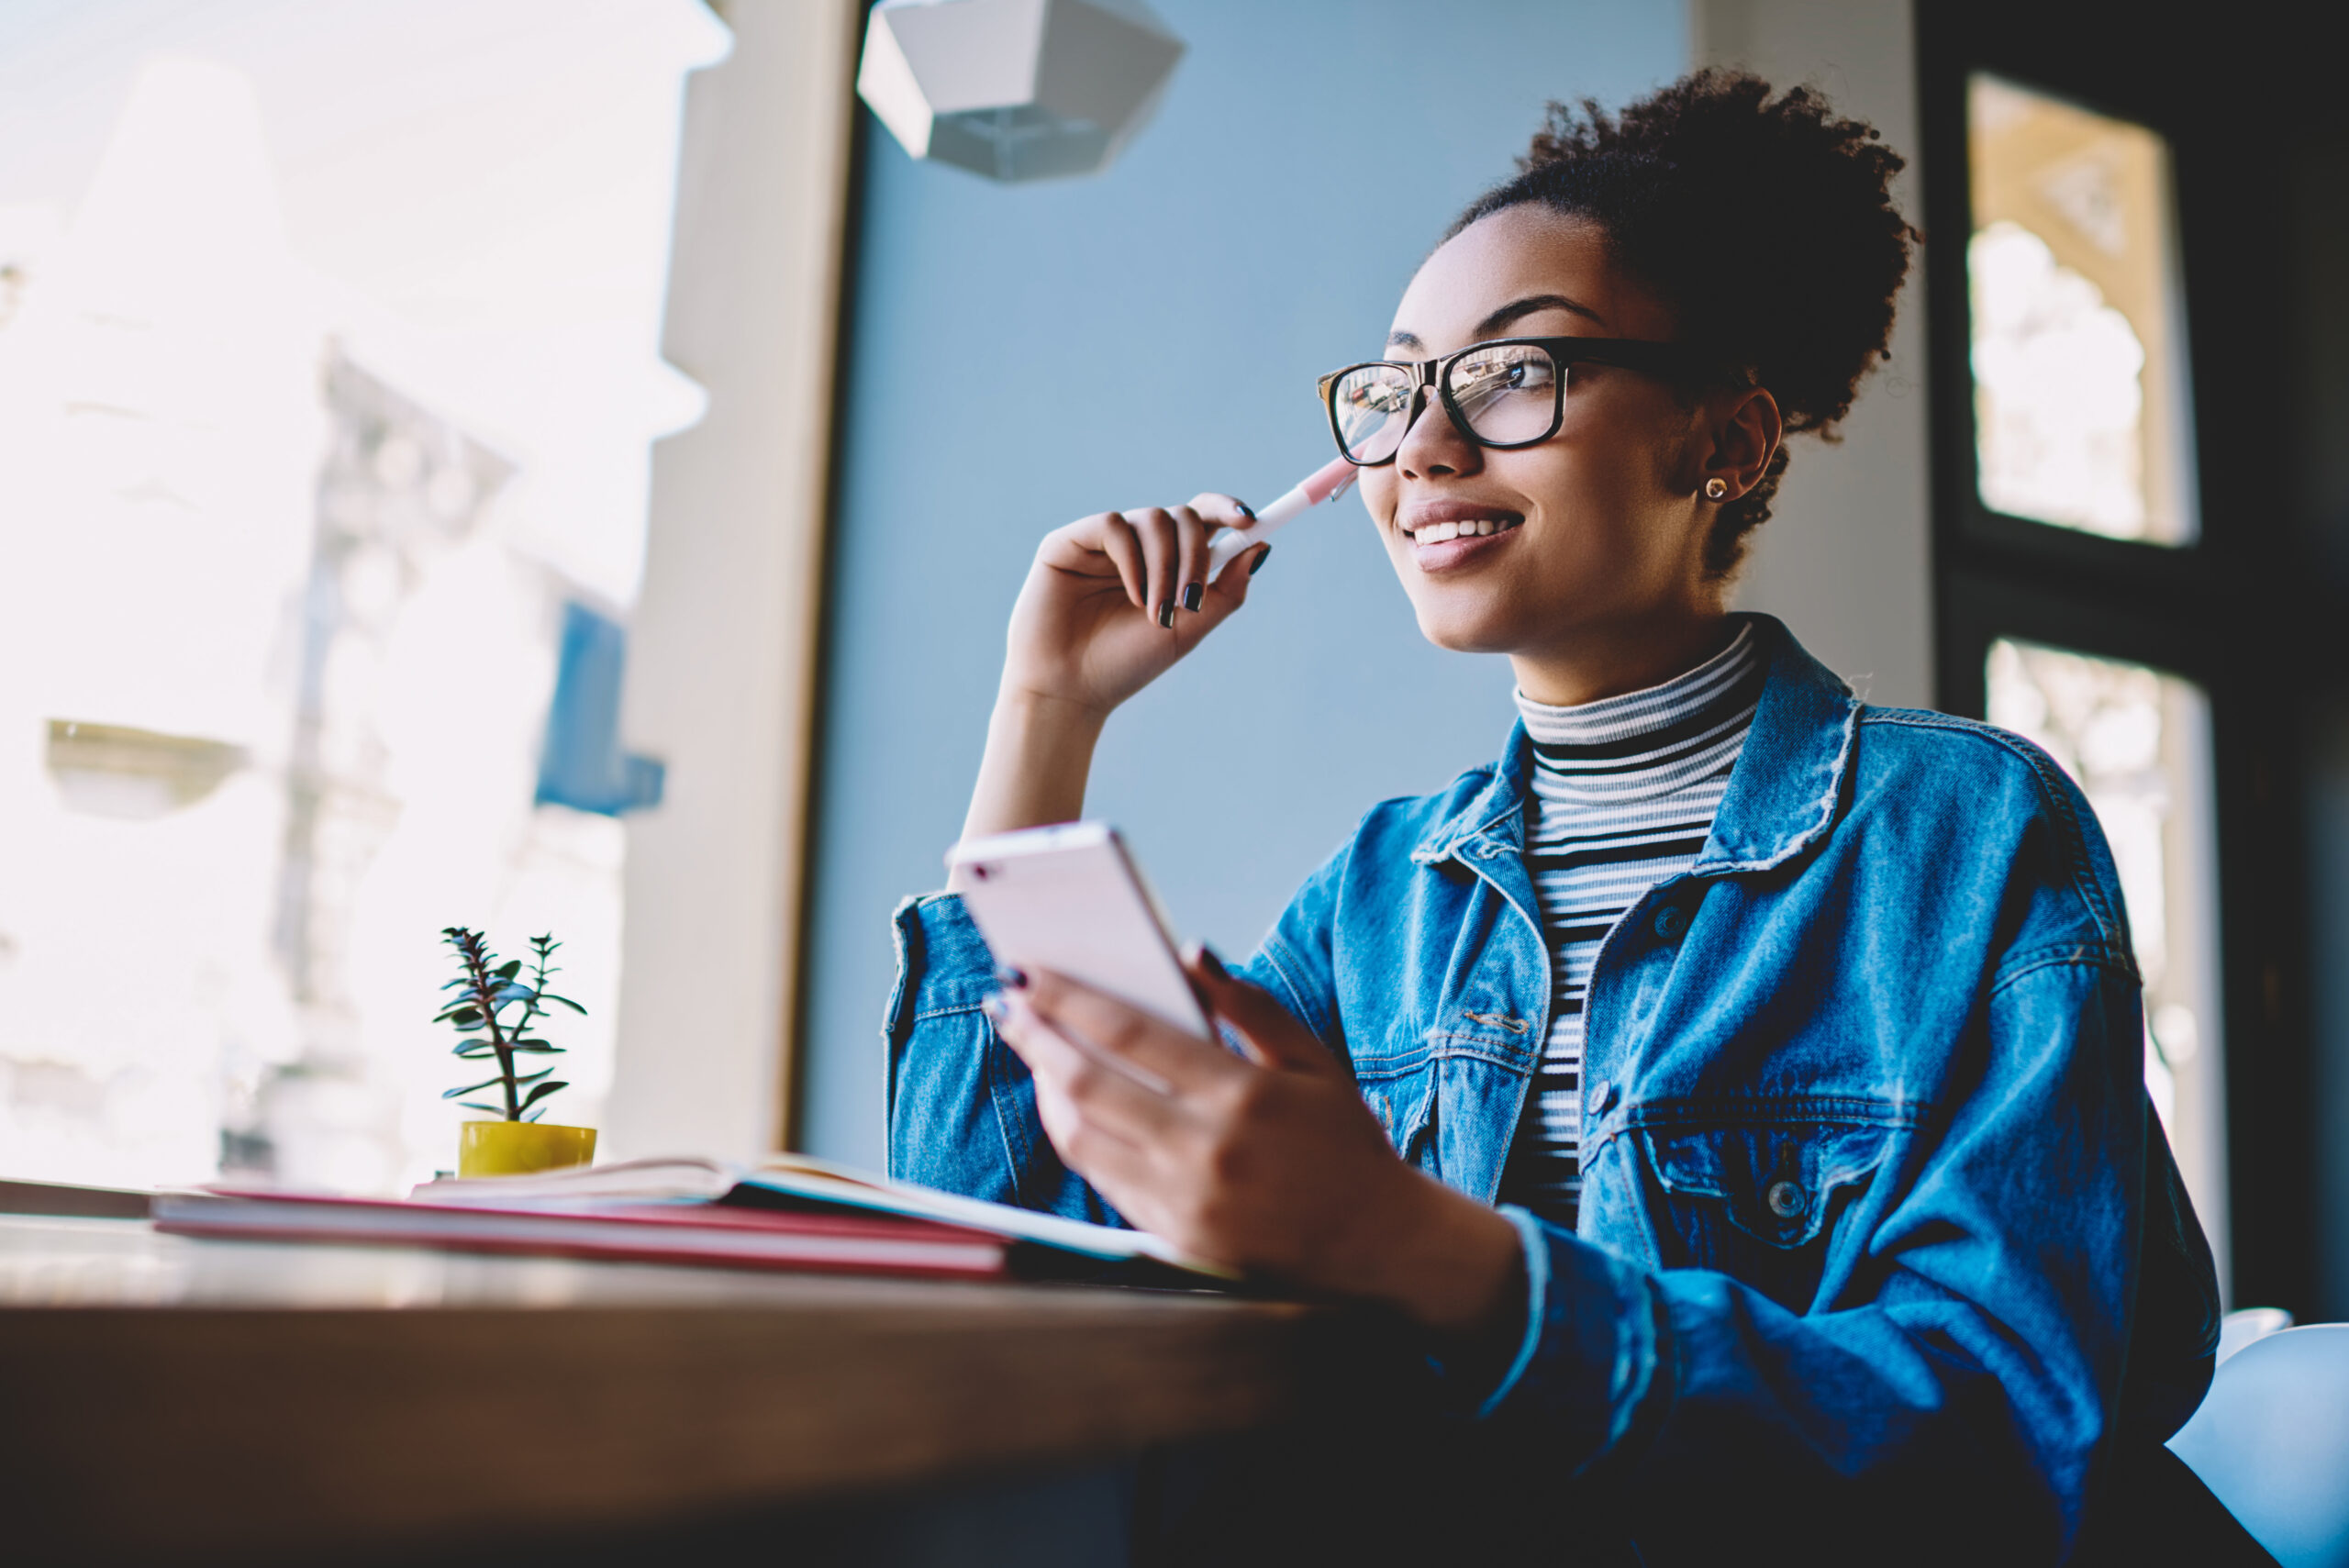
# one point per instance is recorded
(328, 376)
(2137, 743)
(2078, 347)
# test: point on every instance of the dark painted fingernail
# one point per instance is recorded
(1263, 552)
(1166, 613)
(1010, 977)
(1194, 597)
(1245, 509)
(1208, 956)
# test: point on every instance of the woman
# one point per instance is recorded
(1739, 1087)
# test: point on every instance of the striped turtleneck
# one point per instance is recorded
(1624, 792)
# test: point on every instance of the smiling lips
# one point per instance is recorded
(1448, 533)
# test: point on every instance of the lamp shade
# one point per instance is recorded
(1016, 89)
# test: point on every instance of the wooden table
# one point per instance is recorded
(166, 1400)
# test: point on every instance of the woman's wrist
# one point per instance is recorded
(1038, 758)
(1447, 1262)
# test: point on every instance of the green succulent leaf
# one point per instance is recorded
(551, 997)
(464, 1018)
(534, 1048)
(498, 1111)
(474, 1088)
(508, 970)
(542, 1091)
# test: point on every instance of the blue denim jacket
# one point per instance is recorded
(1874, 1207)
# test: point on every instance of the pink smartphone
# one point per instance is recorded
(1071, 899)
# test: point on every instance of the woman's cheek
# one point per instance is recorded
(1378, 496)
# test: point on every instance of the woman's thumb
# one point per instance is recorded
(1272, 1035)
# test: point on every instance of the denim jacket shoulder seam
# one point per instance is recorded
(1272, 949)
(2052, 794)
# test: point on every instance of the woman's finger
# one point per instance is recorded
(1190, 558)
(1273, 1036)
(1186, 1062)
(1109, 536)
(1154, 526)
(1119, 1167)
(1122, 1095)
(1222, 512)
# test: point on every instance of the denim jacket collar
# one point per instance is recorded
(1801, 748)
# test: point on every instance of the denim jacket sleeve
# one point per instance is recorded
(962, 1107)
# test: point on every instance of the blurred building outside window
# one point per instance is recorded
(2137, 741)
(328, 374)
(2082, 416)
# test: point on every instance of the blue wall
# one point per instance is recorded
(1022, 356)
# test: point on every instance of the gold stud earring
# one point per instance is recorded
(1716, 488)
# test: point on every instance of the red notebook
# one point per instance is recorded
(640, 1232)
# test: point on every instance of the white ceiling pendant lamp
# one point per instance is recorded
(1016, 89)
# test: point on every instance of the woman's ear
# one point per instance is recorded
(1745, 434)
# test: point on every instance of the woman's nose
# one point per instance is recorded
(1432, 445)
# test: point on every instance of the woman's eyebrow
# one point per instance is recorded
(1516, 309)
(1499, 320)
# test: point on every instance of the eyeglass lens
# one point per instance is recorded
(1506, 393)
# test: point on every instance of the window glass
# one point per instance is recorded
(2137, 741)
(2080, 384)
(329, 373)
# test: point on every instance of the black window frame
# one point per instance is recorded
(2227, 611)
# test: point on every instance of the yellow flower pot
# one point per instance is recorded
(519, 1148)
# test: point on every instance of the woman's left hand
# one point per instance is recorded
(1272, 1165)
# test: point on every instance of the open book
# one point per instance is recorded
(791, 1212)
(803, 1181)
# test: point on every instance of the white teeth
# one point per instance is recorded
(1476, 527)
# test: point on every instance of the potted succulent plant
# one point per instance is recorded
(496, 1010)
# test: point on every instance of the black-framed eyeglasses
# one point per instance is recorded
(1510, 392)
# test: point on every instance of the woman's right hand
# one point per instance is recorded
(1114, 600)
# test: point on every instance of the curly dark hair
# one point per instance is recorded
(1767, 225)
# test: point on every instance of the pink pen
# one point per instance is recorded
(1325, 483)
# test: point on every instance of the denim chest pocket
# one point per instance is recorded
(1759, 1200)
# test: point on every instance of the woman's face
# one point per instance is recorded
(1598, 530)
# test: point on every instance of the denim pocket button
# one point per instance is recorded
(1786, 1198)
(1670, 922)
(1602, 1097)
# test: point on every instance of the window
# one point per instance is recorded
(328, 378)
(2113, 573)
(2078, 341)
(2077, 386)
